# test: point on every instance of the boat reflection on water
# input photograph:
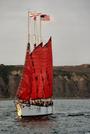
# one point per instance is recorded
(38, 122)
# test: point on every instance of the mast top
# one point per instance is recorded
(33, 14)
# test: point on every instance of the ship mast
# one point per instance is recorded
(28, 28)
(33, 34)
(40, 30)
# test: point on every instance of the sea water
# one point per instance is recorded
(69, 117)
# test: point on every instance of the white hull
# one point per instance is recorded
(33, 110)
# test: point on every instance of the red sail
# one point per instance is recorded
(47, 69)
(37, 75)
(50, 67)
(37, 81)
(24, 89)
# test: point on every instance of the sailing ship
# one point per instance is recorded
(34, 93)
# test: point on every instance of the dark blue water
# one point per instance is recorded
(70, 117)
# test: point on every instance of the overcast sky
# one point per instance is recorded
(70, 30)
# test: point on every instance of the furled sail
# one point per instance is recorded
(24, 89)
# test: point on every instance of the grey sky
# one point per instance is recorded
(70, 29)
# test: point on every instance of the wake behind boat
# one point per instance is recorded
(34, 94)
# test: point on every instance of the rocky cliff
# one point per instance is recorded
(68, 82)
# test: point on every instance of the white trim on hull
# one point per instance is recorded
(33, 110)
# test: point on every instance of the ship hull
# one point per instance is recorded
(24, 110)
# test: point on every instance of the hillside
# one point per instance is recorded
(68, 82)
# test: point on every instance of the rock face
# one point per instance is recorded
(68, 82)
(2, 87)
(9, 80)
(72, 81)
(13, 84)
